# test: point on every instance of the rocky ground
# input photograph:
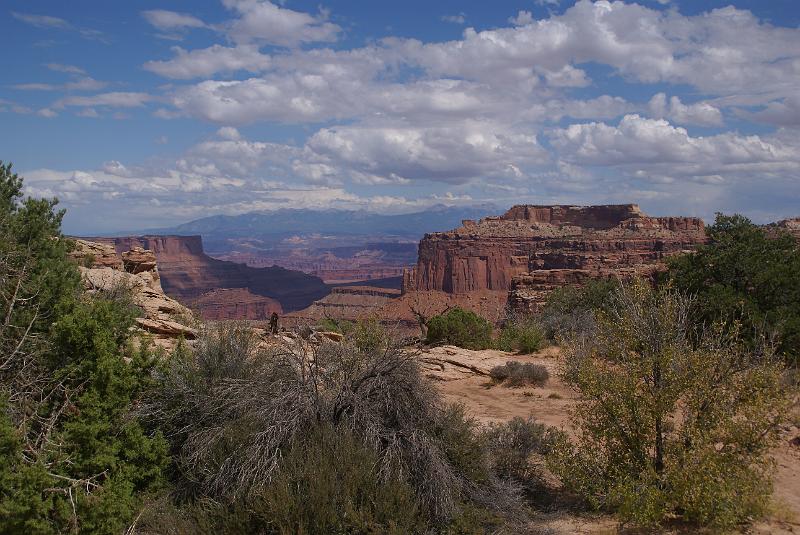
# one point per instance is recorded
(461, 376)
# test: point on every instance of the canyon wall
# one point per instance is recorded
(532, 249)
(104, 270)
(351, 303)
(187, 273)
(792, 226)
(235, 304)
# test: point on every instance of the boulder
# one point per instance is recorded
(95, 255)
(171, 329)
(138, 259)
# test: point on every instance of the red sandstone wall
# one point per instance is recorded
(487, 255)
(235, 303)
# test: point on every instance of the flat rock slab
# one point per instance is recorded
(449, 363)
(166, 328)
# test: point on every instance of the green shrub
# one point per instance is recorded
(746, 274)
(669, 426)
(335, 325)
(234, 412)
(521, 334)
(461, 328)
(326, 484)
(370, 336)
(572, 309)
(516, 374)
(72, 457)
(476, 520)
(462, 444)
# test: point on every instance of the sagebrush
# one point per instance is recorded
(234, 412)
(516, 374)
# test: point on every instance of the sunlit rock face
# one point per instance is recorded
(135, 273)
(530, 250)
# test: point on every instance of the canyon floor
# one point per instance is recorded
(461, 376)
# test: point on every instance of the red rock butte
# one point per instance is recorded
(531, 249)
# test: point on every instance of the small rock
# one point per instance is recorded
(166, 327)
(331, 335)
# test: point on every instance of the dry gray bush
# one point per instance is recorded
(516, 374)
(230, 407)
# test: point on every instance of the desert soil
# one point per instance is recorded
(460, 375)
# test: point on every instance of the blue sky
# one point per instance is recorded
(150, 113)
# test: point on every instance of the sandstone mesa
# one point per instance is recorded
(530, 250)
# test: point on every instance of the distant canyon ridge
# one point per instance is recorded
(219, 289)
(489, 264)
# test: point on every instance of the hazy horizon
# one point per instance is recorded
(153, 114)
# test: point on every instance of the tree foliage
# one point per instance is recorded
(746, 275)
(572, 309)
(521, 333)
(70, 458)
(459, 327)
(666, 426)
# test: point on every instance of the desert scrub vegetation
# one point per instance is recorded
(339, 438)
(572, 309)
(670, 426)
(335, 325)
(521, 333)
(462, 328)
(517, 374)
(513, 444)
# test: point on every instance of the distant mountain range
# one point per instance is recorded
(338, 246)
(301, 221)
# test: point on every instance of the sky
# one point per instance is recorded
(152, 113)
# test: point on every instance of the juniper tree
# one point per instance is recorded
(70, 457)
(746, 275)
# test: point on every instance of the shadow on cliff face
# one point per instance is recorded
(187, 272)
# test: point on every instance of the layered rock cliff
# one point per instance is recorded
(349, 303)
(532, 249)
(187, 273)
(235, 304)
(135, 272)
(792, 226)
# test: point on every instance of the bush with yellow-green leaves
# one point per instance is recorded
(670, 427)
